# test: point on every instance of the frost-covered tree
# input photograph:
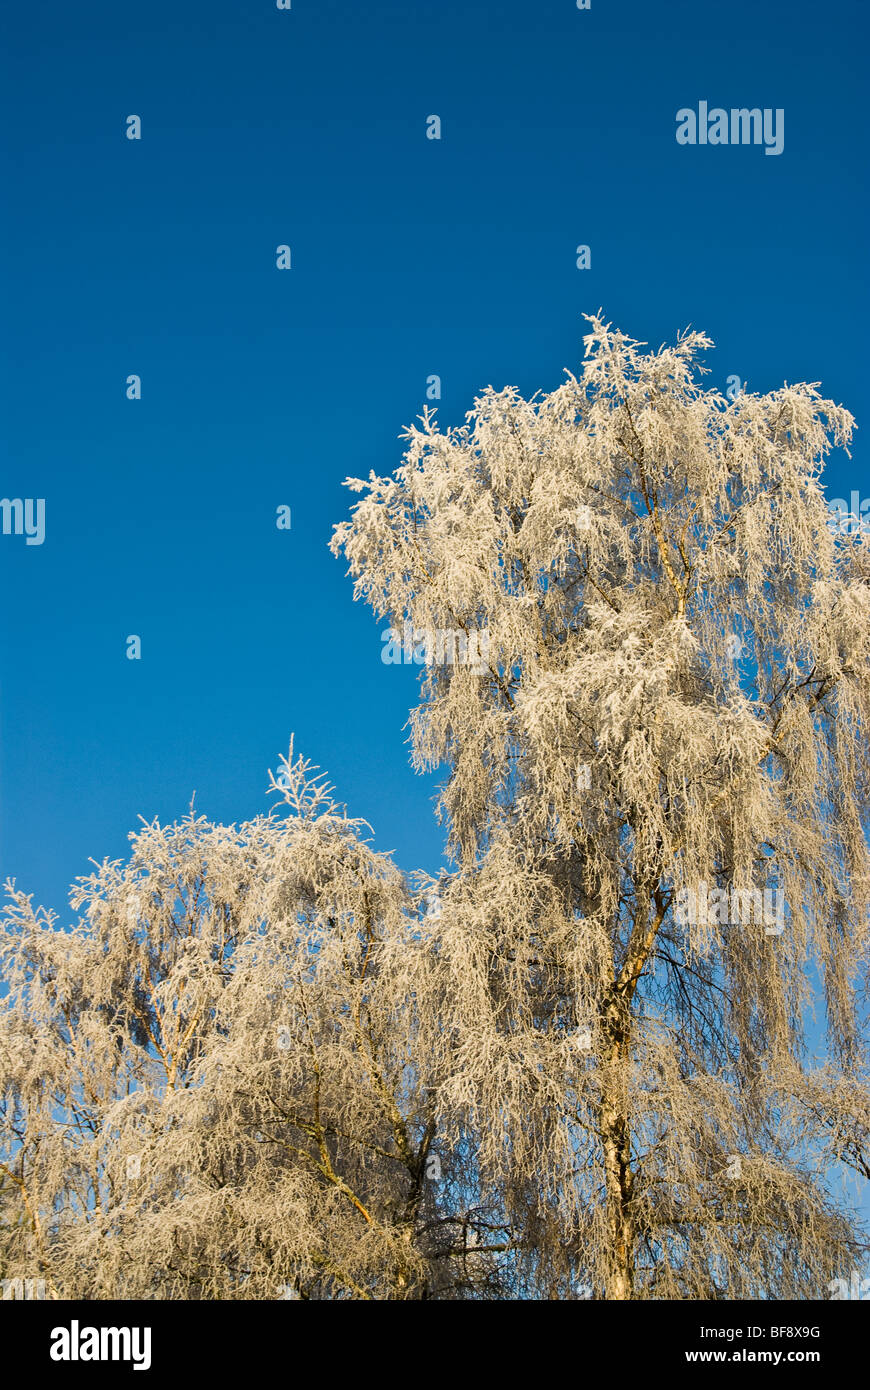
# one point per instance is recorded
(673, 723)
(261, 1063)
(217, 1084)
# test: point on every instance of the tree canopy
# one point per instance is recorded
(586, 1065)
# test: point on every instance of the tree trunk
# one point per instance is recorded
(616, 1141)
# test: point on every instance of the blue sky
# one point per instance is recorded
(261, 387)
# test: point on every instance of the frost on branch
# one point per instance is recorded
(676, 709)
(262, 1063)
(215, 1083)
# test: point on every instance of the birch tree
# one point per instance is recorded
(671, 724)
(264, 1063)
(215, 1083)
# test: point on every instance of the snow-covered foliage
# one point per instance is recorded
(677, 696)
(263, 1063)
(215, 1085)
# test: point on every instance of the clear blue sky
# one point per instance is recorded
(260, 387)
